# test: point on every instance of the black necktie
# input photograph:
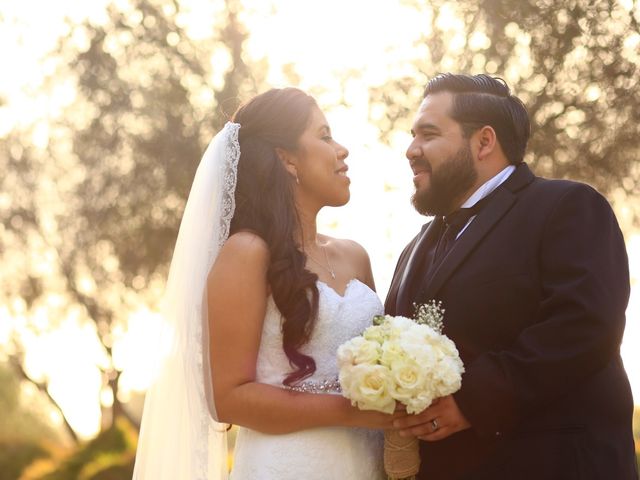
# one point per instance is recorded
(453, 223)
(426, 260)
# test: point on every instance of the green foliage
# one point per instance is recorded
(108, 456)
(20, 422)
(22, 429)
(14, 457)
(145, 111)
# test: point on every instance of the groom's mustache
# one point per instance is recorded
(420, 165)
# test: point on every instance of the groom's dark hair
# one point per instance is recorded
(480, 100)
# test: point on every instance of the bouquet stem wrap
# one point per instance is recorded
(401, 455)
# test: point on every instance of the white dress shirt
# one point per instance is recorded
(484, 190)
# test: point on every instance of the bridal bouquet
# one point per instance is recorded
(403, 360)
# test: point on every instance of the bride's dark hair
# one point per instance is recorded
(265, 205)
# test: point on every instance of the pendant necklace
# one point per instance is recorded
(328, 266)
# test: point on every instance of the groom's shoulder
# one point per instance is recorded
(555, 192)
(560, 187)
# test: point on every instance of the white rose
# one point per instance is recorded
(424, 354)
(367, 352)
(392, 351)
(422, 333)
(368, 387)
(357, 351)
(346, 353)
(409, 380)
(374, 334)
(448, 376)
(447, 347)
(418, 403)
(401, 323)
(388, 331)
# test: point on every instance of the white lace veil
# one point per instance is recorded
(179, 437)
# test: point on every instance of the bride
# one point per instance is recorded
(257, 303)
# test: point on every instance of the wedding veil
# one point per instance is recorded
(179, 437)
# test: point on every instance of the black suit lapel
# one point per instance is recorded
(504, 199)
(390, 303)
(474, 233)
(407, 274)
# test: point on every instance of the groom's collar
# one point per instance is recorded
(489, 186)
(520, 178)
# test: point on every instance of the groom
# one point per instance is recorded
(534, 278)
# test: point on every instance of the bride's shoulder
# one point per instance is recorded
(245, 247)
(242, 263)
(247, 238)
(349, 252)
(347, 247)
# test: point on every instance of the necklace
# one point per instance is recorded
(328, 266)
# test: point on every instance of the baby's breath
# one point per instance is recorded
(430, 314)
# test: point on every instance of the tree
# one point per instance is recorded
(22, 429)
(102, 204)
(574, 64)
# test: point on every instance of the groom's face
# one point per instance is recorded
(440, 157)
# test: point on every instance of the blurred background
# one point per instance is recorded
(107, 105)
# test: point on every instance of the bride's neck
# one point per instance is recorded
(308, 235)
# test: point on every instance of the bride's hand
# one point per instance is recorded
(373, 419)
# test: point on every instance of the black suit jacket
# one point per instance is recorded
(535, 292)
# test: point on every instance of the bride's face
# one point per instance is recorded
(320, 165)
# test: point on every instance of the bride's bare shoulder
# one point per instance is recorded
(351, 254)
(346, 247)
(244, 251)
(245, 239)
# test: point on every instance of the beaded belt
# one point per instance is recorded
(325, 386)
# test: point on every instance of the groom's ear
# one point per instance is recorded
(289, 161)
(486, 141)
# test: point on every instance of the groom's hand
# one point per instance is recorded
(441, 419)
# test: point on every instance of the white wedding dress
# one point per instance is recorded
(318, 453)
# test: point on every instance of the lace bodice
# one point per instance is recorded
(319, 453)
(340, 318)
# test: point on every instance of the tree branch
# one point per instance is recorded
(43, 388)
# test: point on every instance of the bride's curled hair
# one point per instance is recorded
(265, 205)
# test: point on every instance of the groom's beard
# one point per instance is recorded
(449, 182)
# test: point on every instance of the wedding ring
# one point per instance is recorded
(434, 424)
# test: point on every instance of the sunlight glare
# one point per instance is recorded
(6, 326)
(592, 93)
(136, 354)
(448, 19)
(479, 41)
(342, 36)
(68, 359)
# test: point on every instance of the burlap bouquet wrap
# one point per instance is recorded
(401, 455)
